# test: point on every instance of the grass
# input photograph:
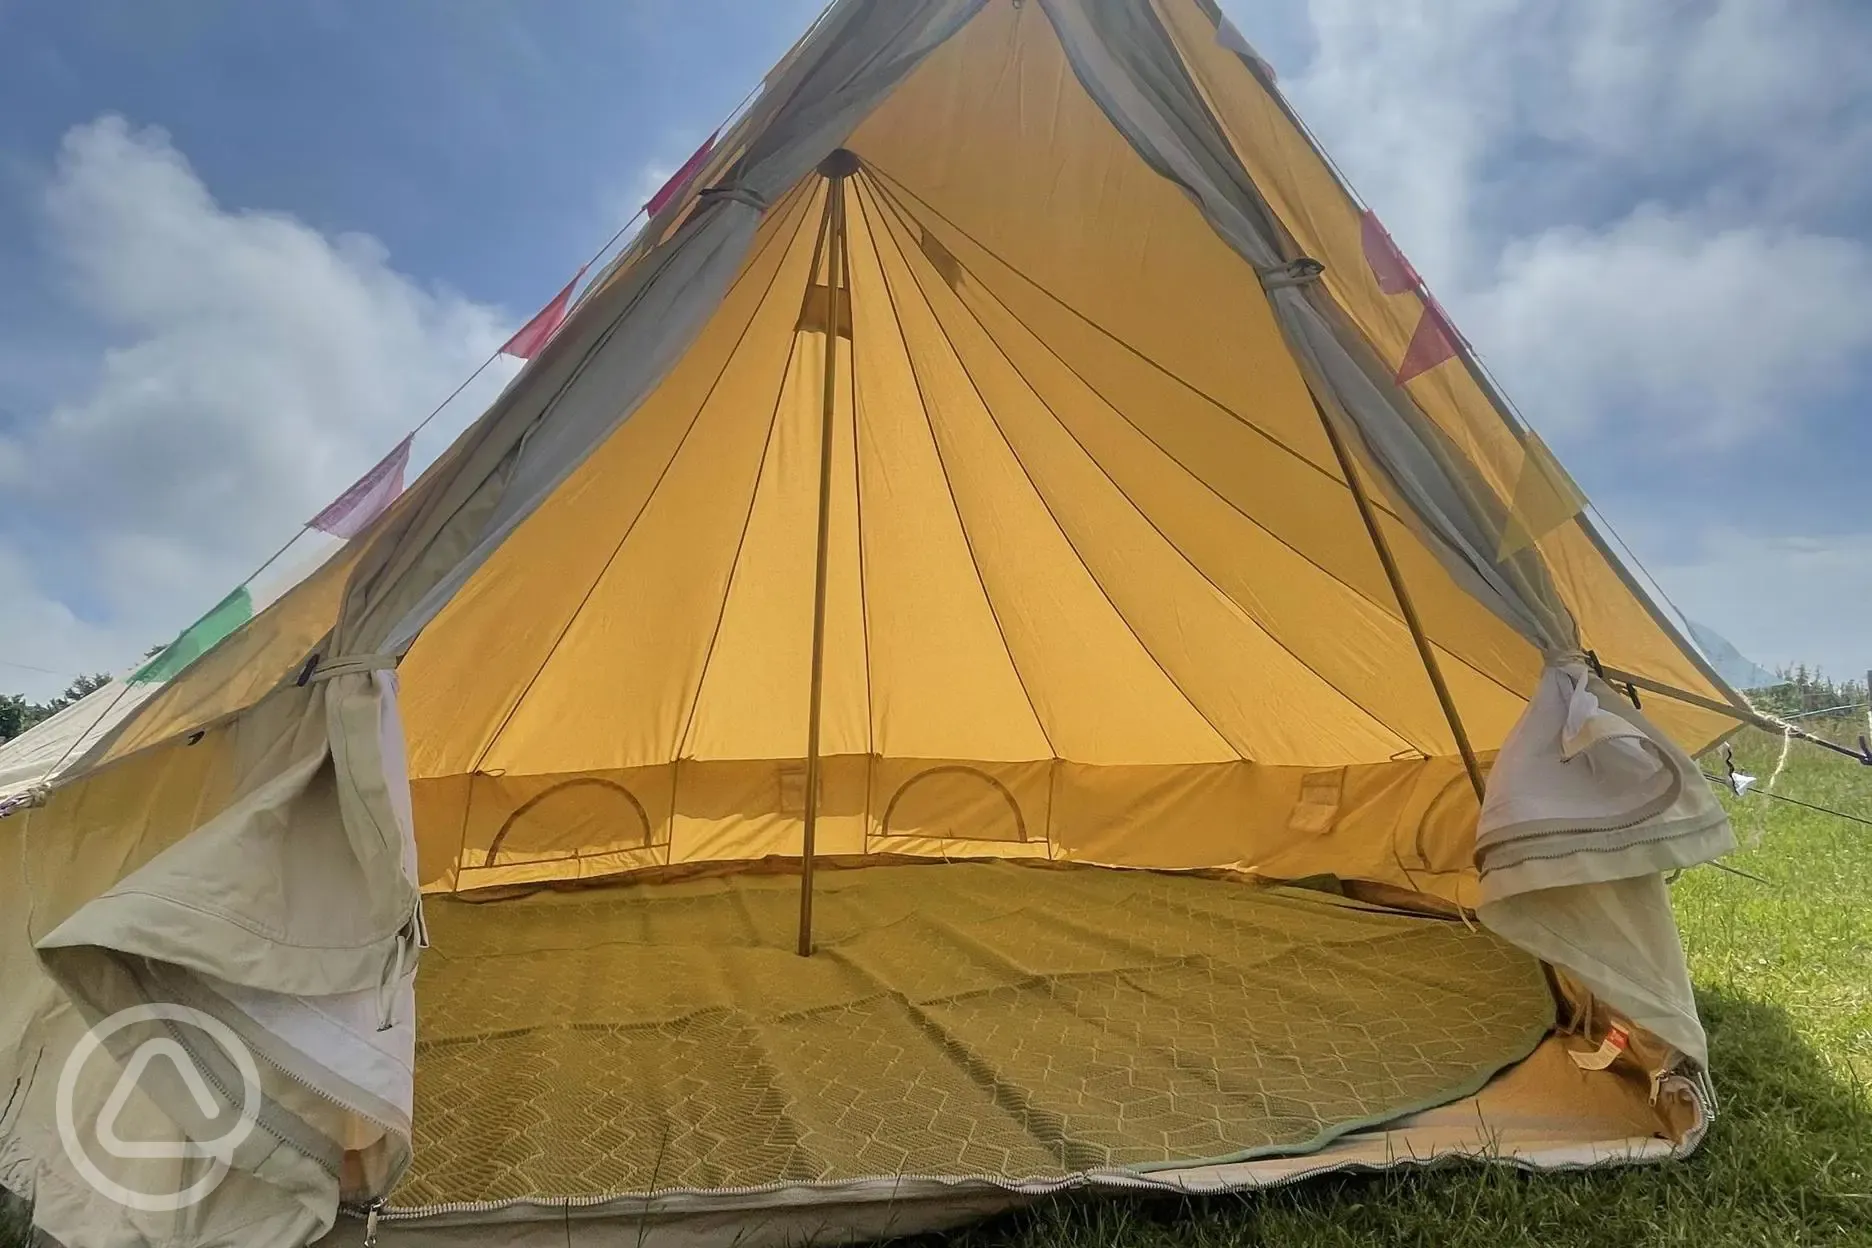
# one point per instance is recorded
(1784, 977)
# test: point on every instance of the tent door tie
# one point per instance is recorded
(348, 665)
(1294, 273)
(734, 195)
(411, 938)
(1631, 690)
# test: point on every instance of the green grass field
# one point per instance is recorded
(1784, 974)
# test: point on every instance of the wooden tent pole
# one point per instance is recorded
(1424, 650)
(840, 165)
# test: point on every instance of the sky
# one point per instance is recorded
(245, 248)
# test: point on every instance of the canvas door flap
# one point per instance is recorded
(229, 1096)
(1619, 939)
(1587, 805)
(242, 1211)
(1586, 789)
(292, 918)
(277, 891)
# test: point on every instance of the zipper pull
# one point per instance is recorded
(370, 1223)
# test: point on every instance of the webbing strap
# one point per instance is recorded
(350, 663)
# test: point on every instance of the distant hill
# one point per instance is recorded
(1741, 672)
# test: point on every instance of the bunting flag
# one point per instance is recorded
(536, 333)
(1432, 344)
(352, 511)
(681, 178)
(1394, 273)
(1434, 340)
(1545, 497)
(197, 639)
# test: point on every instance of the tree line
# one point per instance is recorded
(17, 714)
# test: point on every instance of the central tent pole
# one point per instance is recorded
(1424, 650)
(835, 168)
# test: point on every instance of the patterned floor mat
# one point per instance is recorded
(956, 1020)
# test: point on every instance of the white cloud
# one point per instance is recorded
(39, 630)
(1668, 83)
(1707, 334)
(258, 367)
(1400, 100)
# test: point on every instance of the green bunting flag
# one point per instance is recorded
(197, 639)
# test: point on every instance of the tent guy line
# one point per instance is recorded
(1728, 786)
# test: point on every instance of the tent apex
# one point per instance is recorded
(841, 163)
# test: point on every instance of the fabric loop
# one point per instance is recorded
(353, 664)
(733, 194)
(1298, 272)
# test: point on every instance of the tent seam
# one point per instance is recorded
(864, 601)
(1178, 551)
(1389, 612)
(955, 505)
(1115, 339)
(1040, 497)
(864, 595)
(760, 473)
(649, 499)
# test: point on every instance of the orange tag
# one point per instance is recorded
(1615, 1043)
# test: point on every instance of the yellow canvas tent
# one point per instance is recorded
(1009, 531)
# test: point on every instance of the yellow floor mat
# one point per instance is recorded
(961, 1019)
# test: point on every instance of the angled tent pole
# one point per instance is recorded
(835, 168)
(1409, 609)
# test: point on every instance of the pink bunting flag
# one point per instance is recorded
(1433, 343)
(681, 178)
(1434, 340)
(352, 511)
(536, 333)
(1394, 273)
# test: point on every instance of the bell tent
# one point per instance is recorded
(1006, 646)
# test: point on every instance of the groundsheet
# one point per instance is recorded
(960, 1019)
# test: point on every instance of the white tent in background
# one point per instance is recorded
(56, 744)
(39, 754)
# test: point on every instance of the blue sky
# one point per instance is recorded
(244, 247)
(487, 144)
